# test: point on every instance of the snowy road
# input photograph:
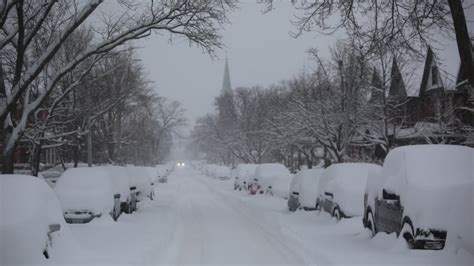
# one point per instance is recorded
(215, 228)
(200, 220)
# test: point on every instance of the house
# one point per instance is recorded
(428, 103)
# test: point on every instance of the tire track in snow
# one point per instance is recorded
(288, 244)
(213, 232)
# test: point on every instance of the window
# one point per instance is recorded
(434, 75)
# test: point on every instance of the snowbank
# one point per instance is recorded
(28, 207)
(305, 182)
(86, 189)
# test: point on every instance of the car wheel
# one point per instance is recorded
(408, 233)
(337, 214)
(371, 224)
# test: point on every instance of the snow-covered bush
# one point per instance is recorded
(29, 211)
(305, 183)
(432, 185)
(342, 190)
(276, 176)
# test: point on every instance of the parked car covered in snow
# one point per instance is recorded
(221, 172)
(86, 193)
(423, 194)
(163, 172)
(243, 174)
(32, 227)
(142, 180)
(51, 176)
(121, 184)
(342, 190)
(304, 189)
(274, 179)
(208, 169)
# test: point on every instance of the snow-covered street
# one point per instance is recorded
(199, 220)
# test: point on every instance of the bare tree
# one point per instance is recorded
(396, 24)
(25, 22)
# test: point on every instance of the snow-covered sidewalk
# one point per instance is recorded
(199, 220)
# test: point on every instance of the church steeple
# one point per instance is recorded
(226, 87)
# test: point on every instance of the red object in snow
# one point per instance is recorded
(254, 188)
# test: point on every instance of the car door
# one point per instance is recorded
(388, 213)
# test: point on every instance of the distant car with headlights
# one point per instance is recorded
(424, 193)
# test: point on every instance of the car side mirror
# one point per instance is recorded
(54, 228)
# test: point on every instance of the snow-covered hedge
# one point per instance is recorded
(28, 207)
(305, 182)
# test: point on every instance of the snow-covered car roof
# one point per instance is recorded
(271, 169)
(221, 171)
(28, 207)
(430, 165)
(268, 173)
(245, 170)
(87, 188)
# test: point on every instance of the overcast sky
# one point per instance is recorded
(259, 48)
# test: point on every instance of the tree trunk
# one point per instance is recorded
(76, 154)
(462, 39)
(7, 162)
(36, 157)
(89, 144)
(309, 160)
